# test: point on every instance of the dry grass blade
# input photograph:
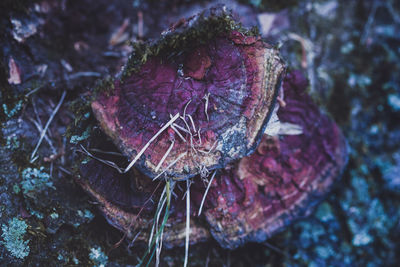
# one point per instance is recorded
(48, 124)
(180, 128)
(48, 140)
(199, 136)
(184, 109)
(165, 156)
(191, 120)
(150, 141)
(206, 105)
(106, 152)
(170, 165)
(169, 185)
(187, 222)
(178, 133)
(206, 192)
(158, 212)
(107, 162)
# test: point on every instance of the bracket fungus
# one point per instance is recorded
(284, 179)
(206, 90)
(200, 100)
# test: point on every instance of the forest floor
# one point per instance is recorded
(52, 52)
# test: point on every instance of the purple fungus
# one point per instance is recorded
(195, 104)
(129, 202)
(199, 100)
(283, 180)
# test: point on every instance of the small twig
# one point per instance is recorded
(48, 124)
(206, 192)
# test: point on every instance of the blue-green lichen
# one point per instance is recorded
(98, 257)
(87, 214)
(11, 113)
(12, 142)
(12, 235)
(35, 180)
(77, 138)
(394, 102)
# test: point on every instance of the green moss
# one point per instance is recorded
(84, 122)
(206, 26)
(13, 236)
(106, 85)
